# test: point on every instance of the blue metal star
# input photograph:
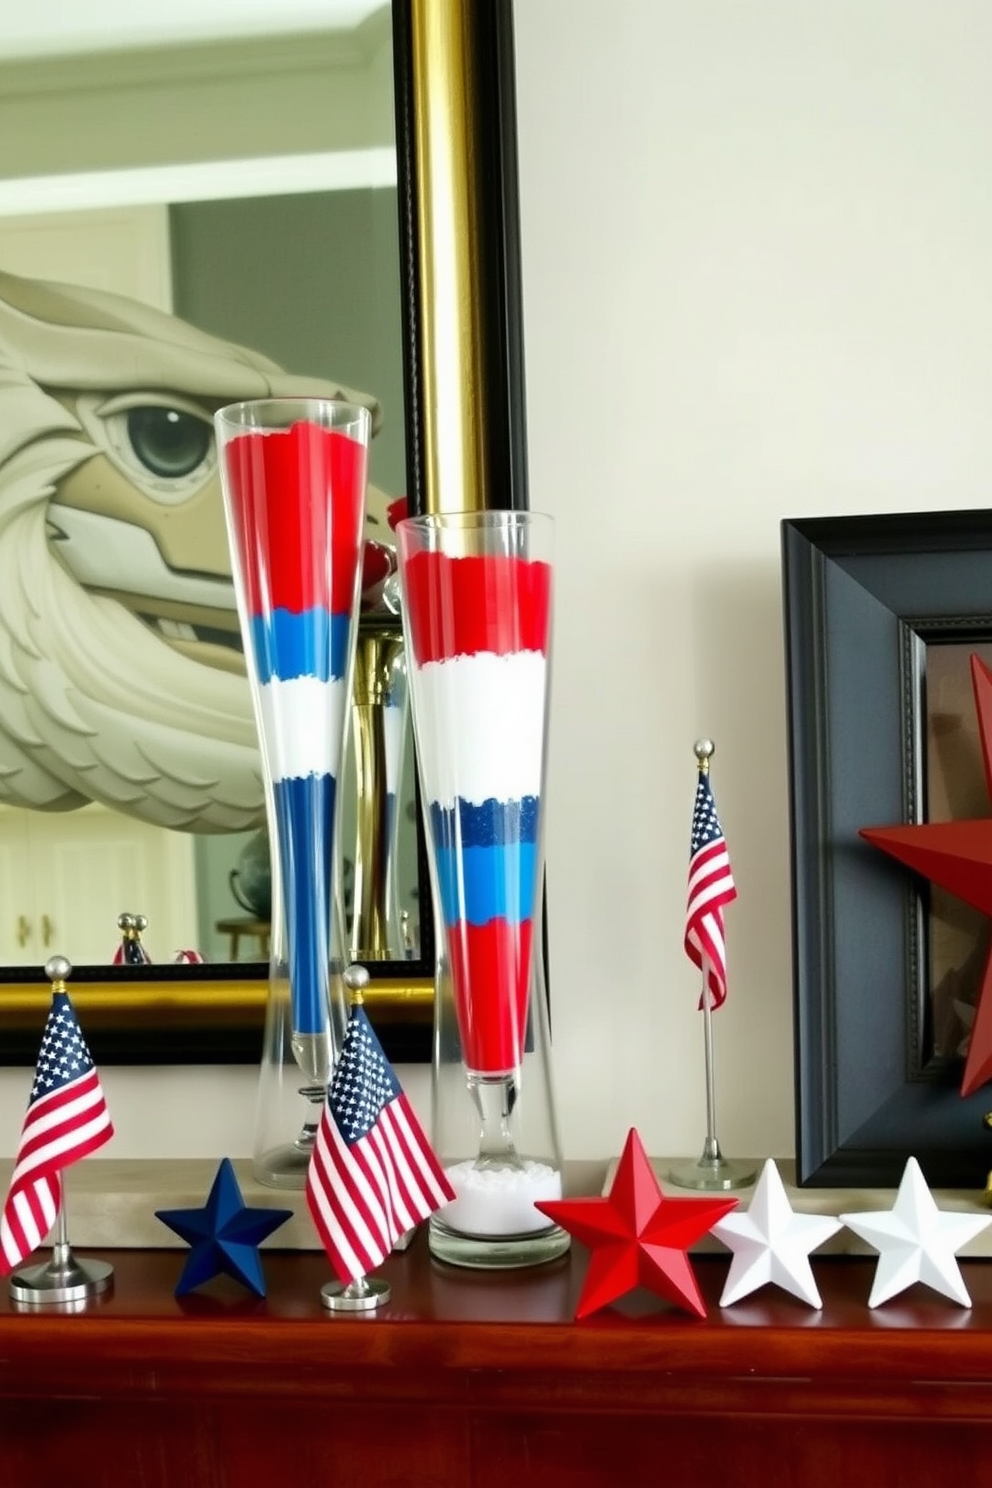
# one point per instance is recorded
(225, 1235)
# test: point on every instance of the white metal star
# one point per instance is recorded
(771, 1243)
(916, 1241)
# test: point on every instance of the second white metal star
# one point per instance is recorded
(916, 1241)
(771, 1243)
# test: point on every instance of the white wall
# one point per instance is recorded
(757, 245)
(758, 254)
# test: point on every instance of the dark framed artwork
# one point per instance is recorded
(882, 616)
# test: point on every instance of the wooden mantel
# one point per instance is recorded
(484, 1381)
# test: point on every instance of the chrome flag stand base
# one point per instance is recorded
(62, 1279)
(361, 1295)
(713, 1173)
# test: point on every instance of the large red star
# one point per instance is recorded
(638, 1236)
(958, 856)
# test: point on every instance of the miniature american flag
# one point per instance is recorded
(372, 1175)
(131, 952)
(711, 886)
(67, 1118)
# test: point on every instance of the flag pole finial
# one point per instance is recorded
(356, 979)
(58, 970)
(704, 749)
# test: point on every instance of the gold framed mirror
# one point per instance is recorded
(459, 300)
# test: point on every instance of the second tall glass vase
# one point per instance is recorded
(477, 599)
(293, 473)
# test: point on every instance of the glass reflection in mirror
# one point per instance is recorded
(128, 767)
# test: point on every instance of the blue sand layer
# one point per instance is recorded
(487, 824)
(305, 821)
(313, 643)
(486, 857)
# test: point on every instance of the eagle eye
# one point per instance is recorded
(168, 442)
(162, 441)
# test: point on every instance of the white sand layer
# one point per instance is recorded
(499, 1201)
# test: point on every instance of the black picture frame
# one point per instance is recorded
(863, 598)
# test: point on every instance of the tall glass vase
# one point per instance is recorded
(293, 473)
(477, 603)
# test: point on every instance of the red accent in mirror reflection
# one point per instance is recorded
(958, 857)
(397, 511)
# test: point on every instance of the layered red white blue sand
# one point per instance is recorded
(480, 628)
(296, 498)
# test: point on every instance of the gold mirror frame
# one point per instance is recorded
(453, 78)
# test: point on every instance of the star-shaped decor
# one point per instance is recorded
(958, 856)
(225, 1235)
(916, 1241)
(771, 1243)
(637, 1235)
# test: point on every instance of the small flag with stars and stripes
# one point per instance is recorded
(67, 1118)
(711, 887)
(373, 1174)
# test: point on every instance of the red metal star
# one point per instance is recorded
(958, 857)
(637, 1235)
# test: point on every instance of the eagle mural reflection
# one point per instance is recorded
(121, 674)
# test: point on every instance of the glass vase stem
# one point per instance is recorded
(495, 1099)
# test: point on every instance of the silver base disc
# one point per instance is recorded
(48, 1284)
(340, 1297)
(713, 1175)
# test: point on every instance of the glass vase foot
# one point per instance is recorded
(286, 1166)
(496, 1252)
(283, 1167)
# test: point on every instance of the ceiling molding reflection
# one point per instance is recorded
(210, 180)
(76, 27)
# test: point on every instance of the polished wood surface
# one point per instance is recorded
(475, 1379)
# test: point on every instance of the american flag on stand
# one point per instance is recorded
(67, 1118)
(131, 953)
(130, 949)
(372, 1175)
(711, 886)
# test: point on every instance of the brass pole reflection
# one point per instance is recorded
(445, 36)
(377, 651)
